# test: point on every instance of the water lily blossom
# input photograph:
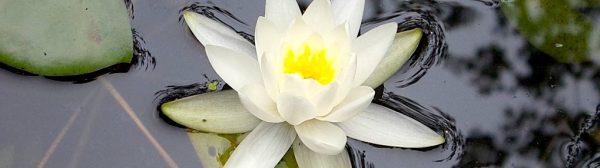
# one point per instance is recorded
(307, 83)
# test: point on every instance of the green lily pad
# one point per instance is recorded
(64, 37)
(556, 27)
(213, 150)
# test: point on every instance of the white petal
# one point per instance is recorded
(322, 137)
(348, 72)
(370, 49)
(267, 37)
(235, 68)
(270, 77)
(346, 77)
(211, 112)
(254, 97)
(298, 33)
(263, 147)
(357, 101)
(306, 158)
(210, 32)
(282, 12)
(400, 51)
(349, 11)
(295, 85)
(295, 109)
(383, 126)
(339, 44)
(325, 98)
(319, 16)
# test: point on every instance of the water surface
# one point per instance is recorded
(499, 100)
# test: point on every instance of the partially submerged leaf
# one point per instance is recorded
(213, 150)
(210, 148)
(64, 37)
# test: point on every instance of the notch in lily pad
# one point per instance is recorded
(64, 37)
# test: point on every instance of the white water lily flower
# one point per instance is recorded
(308, 79)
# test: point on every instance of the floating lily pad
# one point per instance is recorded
(557, 27)
(64, 37)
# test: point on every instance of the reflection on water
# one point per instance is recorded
(544, 130)
(543, 142)
(573, 148)
(557, 27)
(497, 96)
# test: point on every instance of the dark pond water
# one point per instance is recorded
(480, 78)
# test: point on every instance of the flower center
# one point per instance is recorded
(310, 63)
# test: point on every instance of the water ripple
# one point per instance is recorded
(141, 56)
(574, 147)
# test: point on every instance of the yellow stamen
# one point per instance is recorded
(309, 64)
